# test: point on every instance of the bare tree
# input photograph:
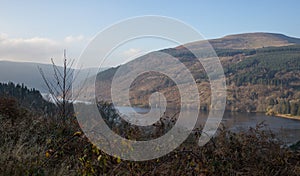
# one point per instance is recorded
(60, 85)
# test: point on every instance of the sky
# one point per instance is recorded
(35, 31)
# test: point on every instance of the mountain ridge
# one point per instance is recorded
(248, 41)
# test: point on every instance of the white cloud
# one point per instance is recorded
(38, 49)
(41, 50)
(71, 38)
(30, 49)
(3, 36)
(131, 52)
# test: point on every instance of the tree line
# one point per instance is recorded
(28, 98)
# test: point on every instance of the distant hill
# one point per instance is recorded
(262, 72)
(249, 41)
(28, 73)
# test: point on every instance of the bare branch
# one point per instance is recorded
(60, 85)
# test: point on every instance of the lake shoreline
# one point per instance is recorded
(287, 116)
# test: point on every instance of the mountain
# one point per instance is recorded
(249, 41)
(262, 73)
(28, 73)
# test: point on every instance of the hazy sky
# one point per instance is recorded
(38, 30)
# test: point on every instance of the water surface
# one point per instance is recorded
(287, 130)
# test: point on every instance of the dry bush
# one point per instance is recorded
(35, 145)
(10, 109)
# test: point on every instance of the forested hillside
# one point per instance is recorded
(259, 79)
(26, 98)
(270, 77)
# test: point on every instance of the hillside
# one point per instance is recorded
(28, 73)
(26, 98)
(262, 72)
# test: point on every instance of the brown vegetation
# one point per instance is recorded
(35, 145)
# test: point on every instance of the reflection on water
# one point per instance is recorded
(287, 130)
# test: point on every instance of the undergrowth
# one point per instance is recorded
(34, 145)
